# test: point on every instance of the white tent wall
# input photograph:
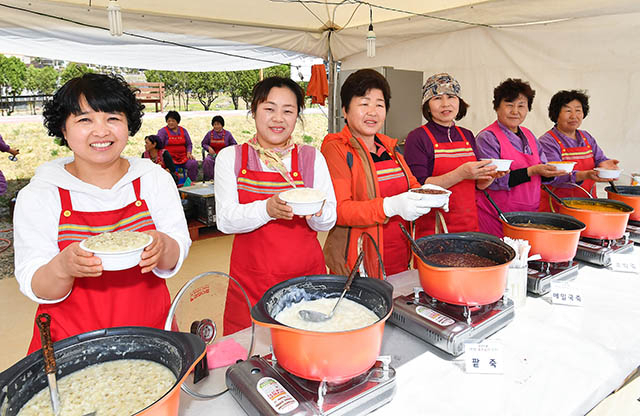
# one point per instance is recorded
(598, 54)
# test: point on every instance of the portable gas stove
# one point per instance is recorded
(599, 252)
(540, 274)
(447, 326)
(633, 228)
(262, 387)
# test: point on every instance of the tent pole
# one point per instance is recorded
(332, 127)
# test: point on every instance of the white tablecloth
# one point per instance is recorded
(559, 360)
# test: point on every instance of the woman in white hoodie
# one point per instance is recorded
(95, 191)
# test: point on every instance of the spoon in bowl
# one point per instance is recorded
(315, 316)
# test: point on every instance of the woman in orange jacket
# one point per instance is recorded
(370, 178)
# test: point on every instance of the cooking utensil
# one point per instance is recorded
(465, 285)
(44, 325)
(630, 195)
(500, 214)
(414, 246)
(329, 356)
(600, 224)
(554, 196)
(177, 351)
(551, 245)
(315, 316)
(613, 186)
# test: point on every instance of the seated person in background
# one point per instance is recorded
(177, 141)
(214, 141)
(505, 138)
(154, 150)
(5, 148)
(564, 142)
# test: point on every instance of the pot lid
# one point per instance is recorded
(199, 308)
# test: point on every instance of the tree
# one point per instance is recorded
(12, 78)
(240, 83)
(206, 86)
(74, 70)
(175, 83)
(41, 80)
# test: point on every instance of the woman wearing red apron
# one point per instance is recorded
(441, 153)
(93, 192)
(215, 140)
(177, 141)
(271, 244)
(507, 139)
(564, 142)
(155, 151)
(370, 178)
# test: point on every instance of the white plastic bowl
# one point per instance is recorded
(563, 166)
(294, 198)
(433, 200)
(608, 173)
(119, 260)
(502, 164)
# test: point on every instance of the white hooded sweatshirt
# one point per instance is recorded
(38, 207)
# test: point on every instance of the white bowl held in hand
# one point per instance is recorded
(435, 196)
(304, 201)
(563, 166)
(608, 173)
(119, 250)
(502, 165)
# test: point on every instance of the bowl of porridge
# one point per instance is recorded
(118, 250)
(435, 195)
(336, 350)
(304, 201)
(113, 371)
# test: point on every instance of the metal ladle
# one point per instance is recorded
(315, 316)
(416, 248)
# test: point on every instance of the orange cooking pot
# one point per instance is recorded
(600, 224)
(630, 195)
(552, 245)
(329, 356)
(177, 351)
(469, 286)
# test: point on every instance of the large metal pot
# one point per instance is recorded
(468, 286)
(177, 351)
(630, 195)
(600, 224)
(552, 245)
(329, 356)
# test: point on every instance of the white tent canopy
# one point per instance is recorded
(585, 44)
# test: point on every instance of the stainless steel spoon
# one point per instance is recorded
(315, 316)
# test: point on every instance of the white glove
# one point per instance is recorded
(407, 204)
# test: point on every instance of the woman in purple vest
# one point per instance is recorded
(507, 139)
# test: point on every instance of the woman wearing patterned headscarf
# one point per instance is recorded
(442, 153)
(271, 245)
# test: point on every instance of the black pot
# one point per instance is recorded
(175, 350)
(562, 221)
(481, 244)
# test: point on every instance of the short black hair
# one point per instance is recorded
(462, 110)
(219, 119)
(261, 92)
(174, 115)
(510, 89)
(564, 97)
(361, 81)
(155, 139)
(105, 93)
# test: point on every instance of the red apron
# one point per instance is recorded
(524, 197)
(395, 247)
(177, 146)
(585, 160)
(159, 158)
(117, 298)
(277, 251)
(216, 144)
(463, 214)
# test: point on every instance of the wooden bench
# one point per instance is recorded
(150, 92)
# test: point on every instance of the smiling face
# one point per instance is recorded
(512, 114)
(570, 117)
(444, 108)
(172, 124)
(95, 137)
(217, 126)
(366, 114)
(276, 117)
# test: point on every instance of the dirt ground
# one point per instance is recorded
(6, 227)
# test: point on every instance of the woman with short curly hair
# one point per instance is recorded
(564, 142)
